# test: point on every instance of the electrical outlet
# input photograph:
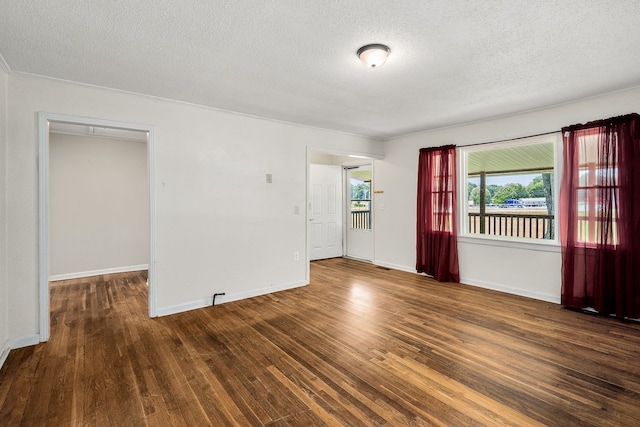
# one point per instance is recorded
(296, 256)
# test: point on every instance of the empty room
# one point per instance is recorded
(267, 213)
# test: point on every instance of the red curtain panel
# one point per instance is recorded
(437, 247)
(600, 216)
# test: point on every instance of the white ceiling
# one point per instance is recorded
(451, 61)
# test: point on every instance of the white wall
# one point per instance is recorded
(4, 290)
(98, 205)
(220, 226)
(518, 270)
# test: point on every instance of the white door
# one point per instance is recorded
(325, 211)
(359, 213)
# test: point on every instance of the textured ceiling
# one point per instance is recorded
(451, 61)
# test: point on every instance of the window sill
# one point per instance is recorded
(542, 246)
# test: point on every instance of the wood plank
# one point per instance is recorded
(359, 346)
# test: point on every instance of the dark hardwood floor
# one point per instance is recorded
(359, 346)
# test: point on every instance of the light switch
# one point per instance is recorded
(269, 178)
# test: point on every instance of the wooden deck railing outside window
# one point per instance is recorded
(532, 226)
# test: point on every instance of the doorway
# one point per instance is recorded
(106, 128)
(358, 243)
(359, 208)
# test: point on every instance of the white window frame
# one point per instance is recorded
(552, 245)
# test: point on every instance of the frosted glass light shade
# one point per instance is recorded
(373, 55)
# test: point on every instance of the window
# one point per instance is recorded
(510, 189)
(599, 232)
(442, 186)
(360, 183)
(597, 192)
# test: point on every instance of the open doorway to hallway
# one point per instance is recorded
(340, 220)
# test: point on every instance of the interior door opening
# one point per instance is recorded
(123, 130)
(355, 243)
(359, 208)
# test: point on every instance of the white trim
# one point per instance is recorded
(17, 343)
(24, 341)
(4, 352)
(206, 302)
(307, 240)
(81, 274)
(43, 207)
(395, 266)
(373, 208)
(482, 284)
(151, 275)
(512, 291)
(43, 223)
(190, 104)
(511, 114)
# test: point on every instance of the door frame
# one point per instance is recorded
(44, 119)
(346, 179)
(357, 156)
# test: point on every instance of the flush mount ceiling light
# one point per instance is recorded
(373, 55)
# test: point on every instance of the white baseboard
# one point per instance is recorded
(24, 341)
(4, 352)
(207, 302)
(514, 291)
(17, 343)
(395, 266)
(482, 284)
(78, 275)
